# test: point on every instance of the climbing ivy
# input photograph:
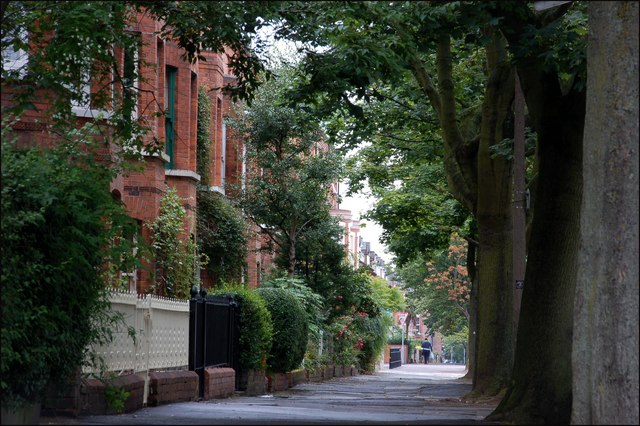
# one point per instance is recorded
(204, 137)
(221, 229)
(176, 259)
(222, 236)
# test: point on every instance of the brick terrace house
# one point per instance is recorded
(166, 83)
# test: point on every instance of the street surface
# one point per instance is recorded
(411, 394)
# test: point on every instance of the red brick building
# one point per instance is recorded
(167, 84)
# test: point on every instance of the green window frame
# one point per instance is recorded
(170, 114)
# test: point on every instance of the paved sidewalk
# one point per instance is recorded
(411, 394)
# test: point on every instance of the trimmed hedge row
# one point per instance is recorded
(256, 328)
(290, 329)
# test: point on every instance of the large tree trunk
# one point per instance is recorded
(483, 185)
(472, 341)
(541, 384)
(495, 348)
(605, 353)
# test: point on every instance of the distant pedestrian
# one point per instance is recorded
(426, 350)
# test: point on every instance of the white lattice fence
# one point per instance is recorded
(169, 334)
(161, 338)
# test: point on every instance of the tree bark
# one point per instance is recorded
(472, 341)
(495, 349)
(459, 165)
(541, 385)
(483, 185)
(605, 339)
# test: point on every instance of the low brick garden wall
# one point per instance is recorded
(253, 382)
(94, 401)
(314, 376)
(87, 396)
(172, 386)
(62, 400)
(277, 382)
(219, 382)
(297, 377)
(328, 372)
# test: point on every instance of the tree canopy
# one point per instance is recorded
(286, 190)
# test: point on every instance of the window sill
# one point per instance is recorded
(91, 113)
(183, 173)
(218, 189)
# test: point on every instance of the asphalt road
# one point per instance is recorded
(411, 394)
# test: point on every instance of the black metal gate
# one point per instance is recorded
(395, 358)
(213, 333)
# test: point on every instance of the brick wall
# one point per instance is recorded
(172, 386)
(141, 190)
(94, 402)
(219, 382)
(92, 398)
(86, 396)
(277, 382)
(252, 382)
(63, 400)
(328, 372)
(297, 377)
(314, 375)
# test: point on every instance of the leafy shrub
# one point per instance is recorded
(116, 396)
(373, 331)
(396, 339)
(55, 242)
(346, 341)
(176, 259)
(256, 329)
(352, 293)
(357, 324)
(312, 359)
(222, 236)
(312, 302)
(291, 329)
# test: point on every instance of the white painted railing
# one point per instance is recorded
(161, 334)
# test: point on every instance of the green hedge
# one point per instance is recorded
(396, 339)
(291, 329)
(256, 330)
(54, 244)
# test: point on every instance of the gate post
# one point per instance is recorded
(197, 336)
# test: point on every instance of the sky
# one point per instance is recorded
(359, 204)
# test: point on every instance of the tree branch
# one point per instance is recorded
(471, 241)
(376, 92)
(426, 84)
(459, 159)
(397, 138)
